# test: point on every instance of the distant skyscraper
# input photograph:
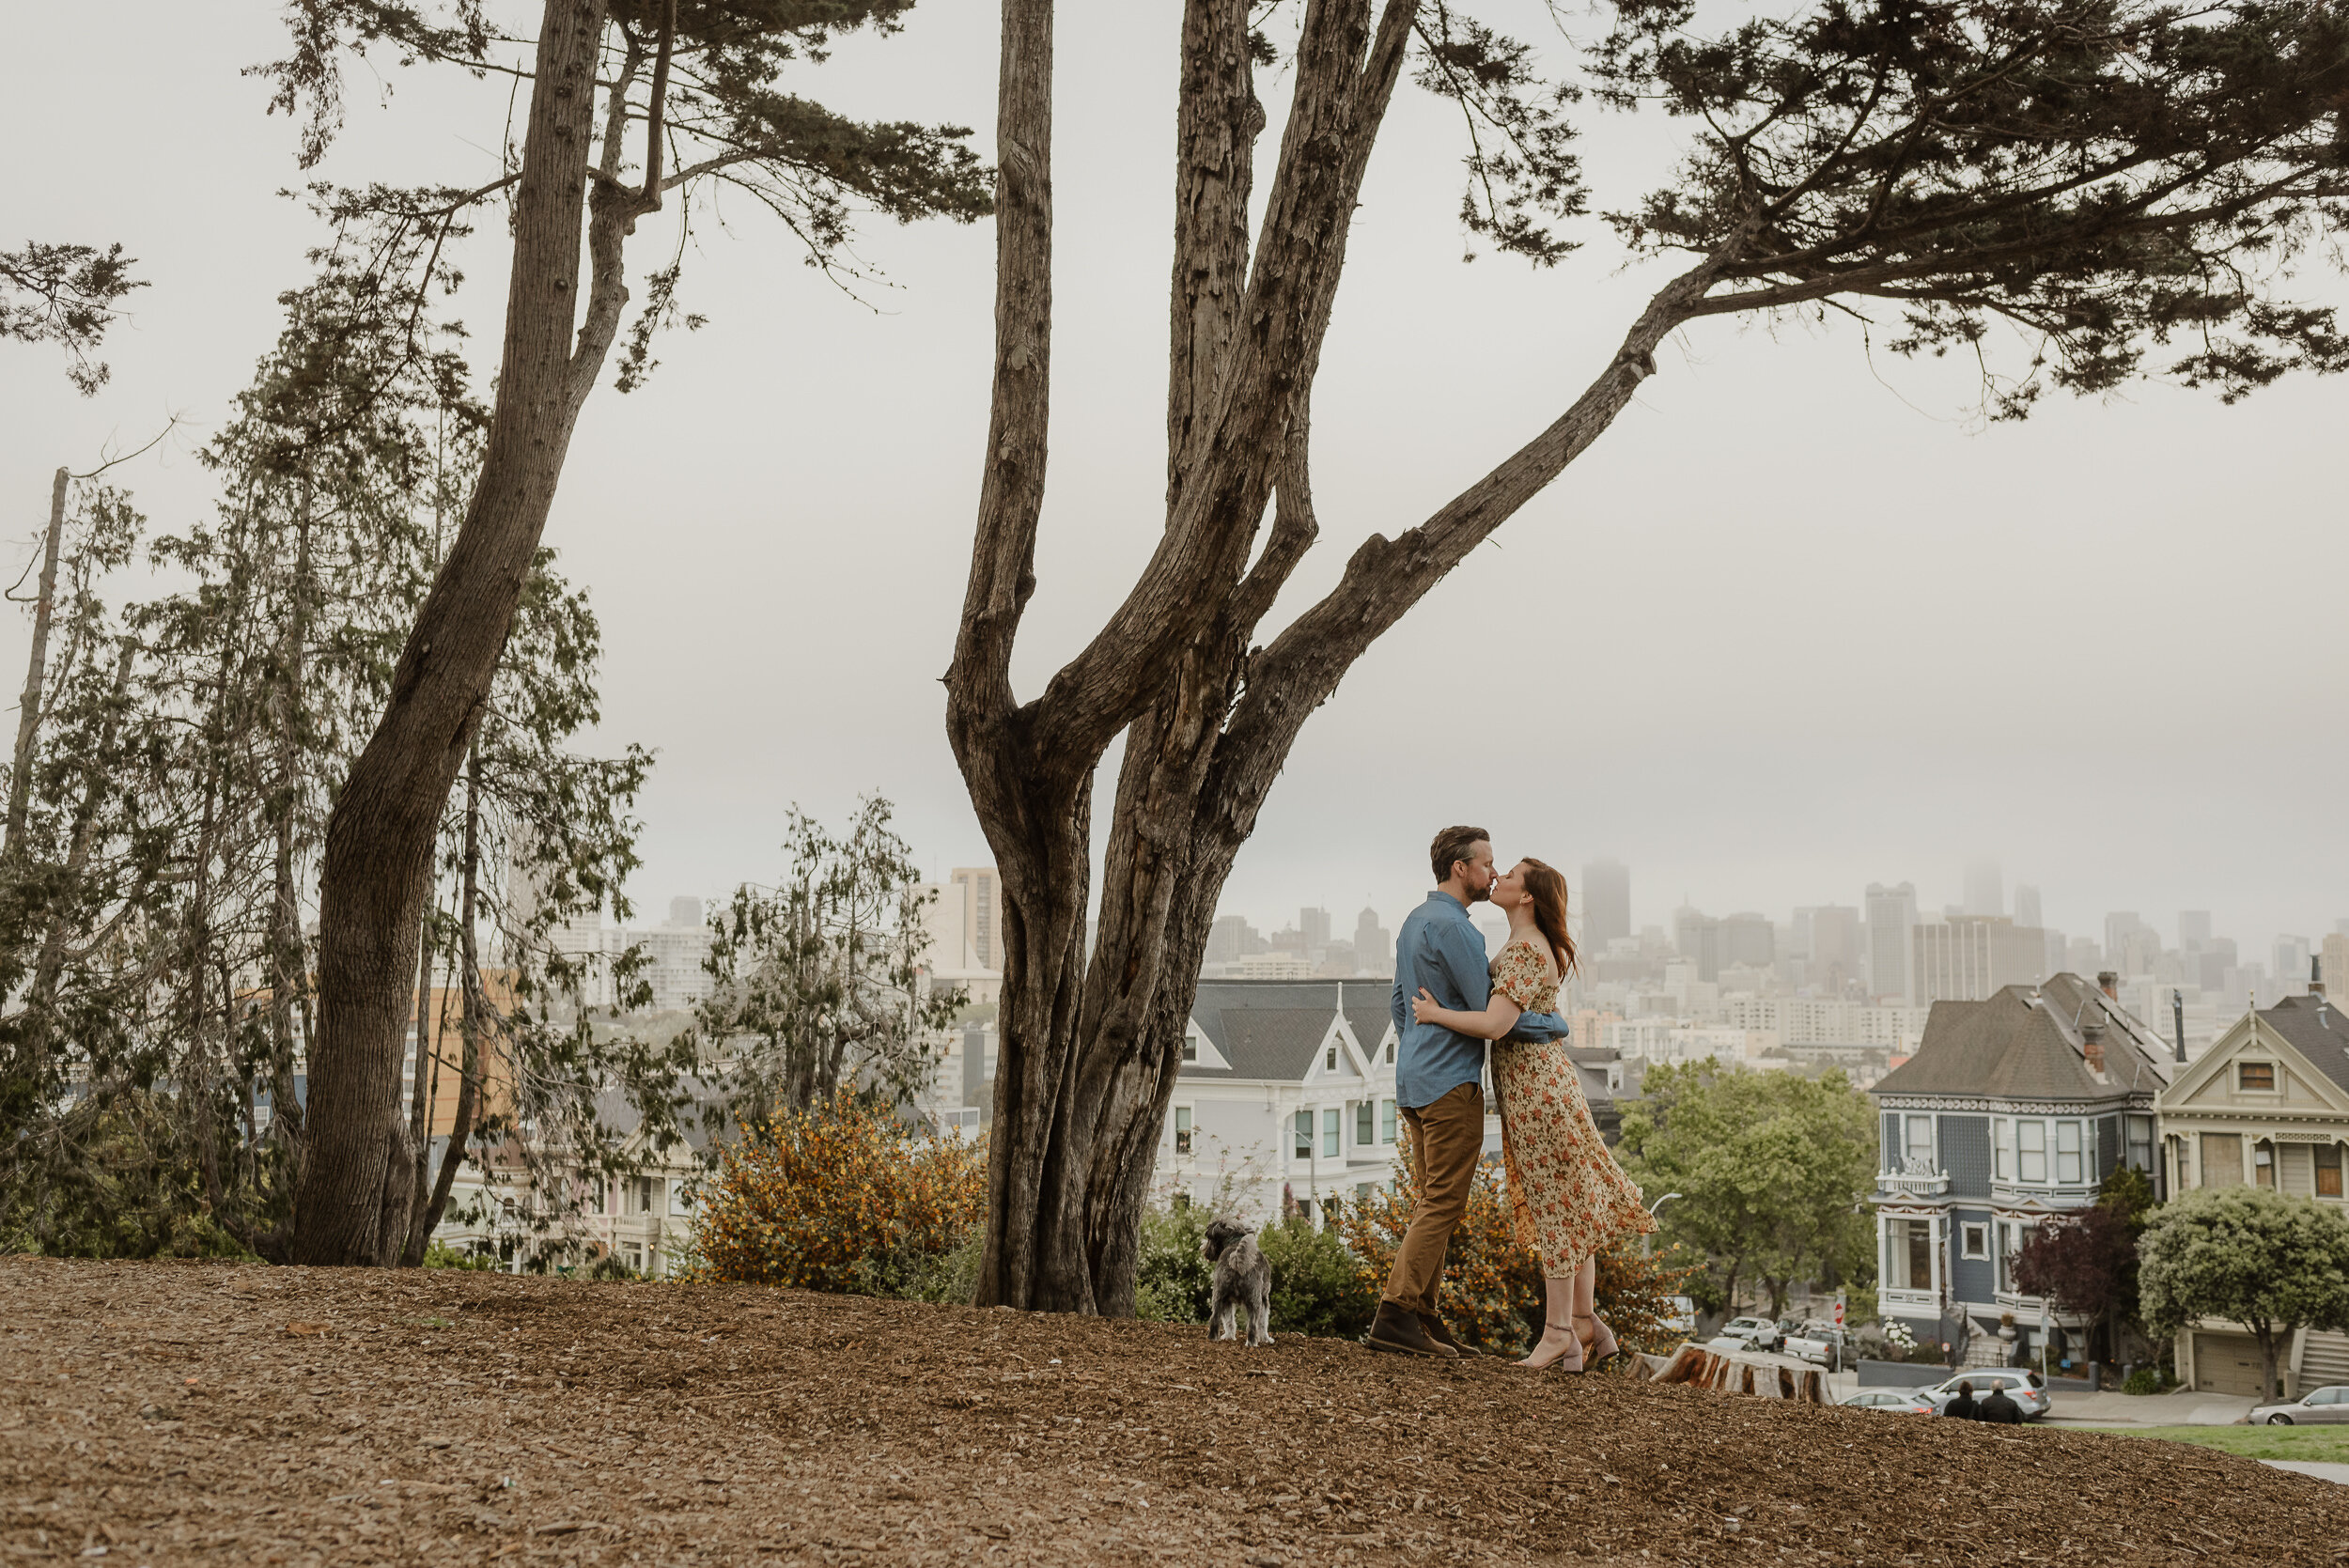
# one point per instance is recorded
(972, 887)
(1970, 958)
(2193, 930)
(1749, 940)
(1836, 934)
(1985, 889)
(1606, 903)
(2291, 966)
(1891, 916)
(2118, 926)
(1696, 937)
(2026, 904)
(685, 912)
(1314, 924)
(1374, 945)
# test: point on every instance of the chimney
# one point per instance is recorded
(2092, 1045)
(2109, 983)
(2177, 1020)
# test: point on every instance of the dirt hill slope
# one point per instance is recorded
(187, 1413)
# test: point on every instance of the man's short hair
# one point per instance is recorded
(1453, 846)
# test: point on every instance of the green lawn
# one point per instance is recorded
(2331, 1443)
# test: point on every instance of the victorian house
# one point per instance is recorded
(2013, 1110)
(2266, 1106)
(1285, 1102)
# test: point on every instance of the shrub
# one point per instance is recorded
(2144, 1380)
(1172, 1282)
(1490, 1295)
(1318, 1287)
(440, 1255)
(843, 1197)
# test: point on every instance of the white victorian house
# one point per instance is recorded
(2266, 1106)
(2014, 1109)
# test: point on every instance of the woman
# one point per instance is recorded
(1568, 1197)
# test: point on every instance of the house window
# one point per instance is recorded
(2222, 1159)
(1330, 1060)
(2329, 1170)
(1386, 1133)
(2068, 1152)
(1975, 1239)
(1390, 1054)
(2138, 1132)
(2264, 1165)
(1919, 1147)
(1190, 1047)
(2002, 1134)
(1182, 1130)
(1909, 1254)
(595, 1197)
(2010, 1242)
(1362, 1193)
(1329, 1133)
(1304, 1135)
(2030, 1164)
(644, 1195)
(2255, 1075)
(1365, 1113)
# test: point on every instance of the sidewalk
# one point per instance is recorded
(2179, 1407)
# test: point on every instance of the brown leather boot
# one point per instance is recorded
(1441, 1335)
(1396, 1331)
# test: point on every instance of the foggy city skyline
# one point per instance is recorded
(1740, 647)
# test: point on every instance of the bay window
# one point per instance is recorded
(2003, 1132)
(2068, 1152)
(2030, 1162)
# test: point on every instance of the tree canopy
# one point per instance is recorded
(2269, 1263)
(67, 295)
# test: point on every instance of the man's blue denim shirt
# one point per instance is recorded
(1441, 949)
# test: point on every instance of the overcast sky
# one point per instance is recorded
(1797, 623)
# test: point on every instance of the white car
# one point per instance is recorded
(1746, 1333)
(2316, 1407)
(1897, 1402)
(2023, 1388)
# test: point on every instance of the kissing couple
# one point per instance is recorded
(1568, 1198)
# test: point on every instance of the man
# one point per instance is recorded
(1998, 1405)
(1963, 1407)
(1439, 1087)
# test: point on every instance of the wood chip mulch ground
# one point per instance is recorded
(181, 1413)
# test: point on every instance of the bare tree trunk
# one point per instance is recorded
(36, 673)
(378, 843)
(471, 1021)
(289, 975)
(428, 1061)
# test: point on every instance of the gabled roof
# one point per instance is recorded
(2317, 1030)
(1272, 1029)
(2027, 1043)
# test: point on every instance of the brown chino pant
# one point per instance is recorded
(1447, 1140)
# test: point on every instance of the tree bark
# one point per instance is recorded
(289, 974)
(35, 674)
(471, 1019)
(1090, 1049)
(378, 843)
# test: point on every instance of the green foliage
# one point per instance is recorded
(1319, 1286)
(1772, 1169)
(821, 982)
(2144, 1380)
(1173, 1283)
(67, 295)
(2247, 1255)
(437, 1255)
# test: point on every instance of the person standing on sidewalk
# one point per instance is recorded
(1439, 1086)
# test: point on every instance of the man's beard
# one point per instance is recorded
(1479, 896)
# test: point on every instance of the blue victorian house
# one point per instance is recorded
(2014, 1109)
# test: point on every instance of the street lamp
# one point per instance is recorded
(1647, 1248)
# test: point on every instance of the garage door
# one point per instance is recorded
(2227, 1364)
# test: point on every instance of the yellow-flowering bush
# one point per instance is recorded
(843, 1197)
(1490, 1293)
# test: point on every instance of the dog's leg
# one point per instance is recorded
(1260, 1308)
(1220, 1314)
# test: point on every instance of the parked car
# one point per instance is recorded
(2316, 1407)
(1750, 1334)
(2024, 1388)
(1822, 1342)
(1895, 1402)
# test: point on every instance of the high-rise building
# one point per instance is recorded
(2291, 966)
(1749, 940)
(1606, 903)
(1891, 916)
(974, 888)
(1836, 941)
(2083, 956)
(2193, 930)
(1985, 889)
(2335, 958)
(1696, 937)
(1970, 957)
(685, 912)
(2118, 926)
(1315, 925)
(1374, 945)
(2026, 905)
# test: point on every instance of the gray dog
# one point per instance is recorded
(1242, 1279)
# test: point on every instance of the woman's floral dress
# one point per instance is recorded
(1568, 1198)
